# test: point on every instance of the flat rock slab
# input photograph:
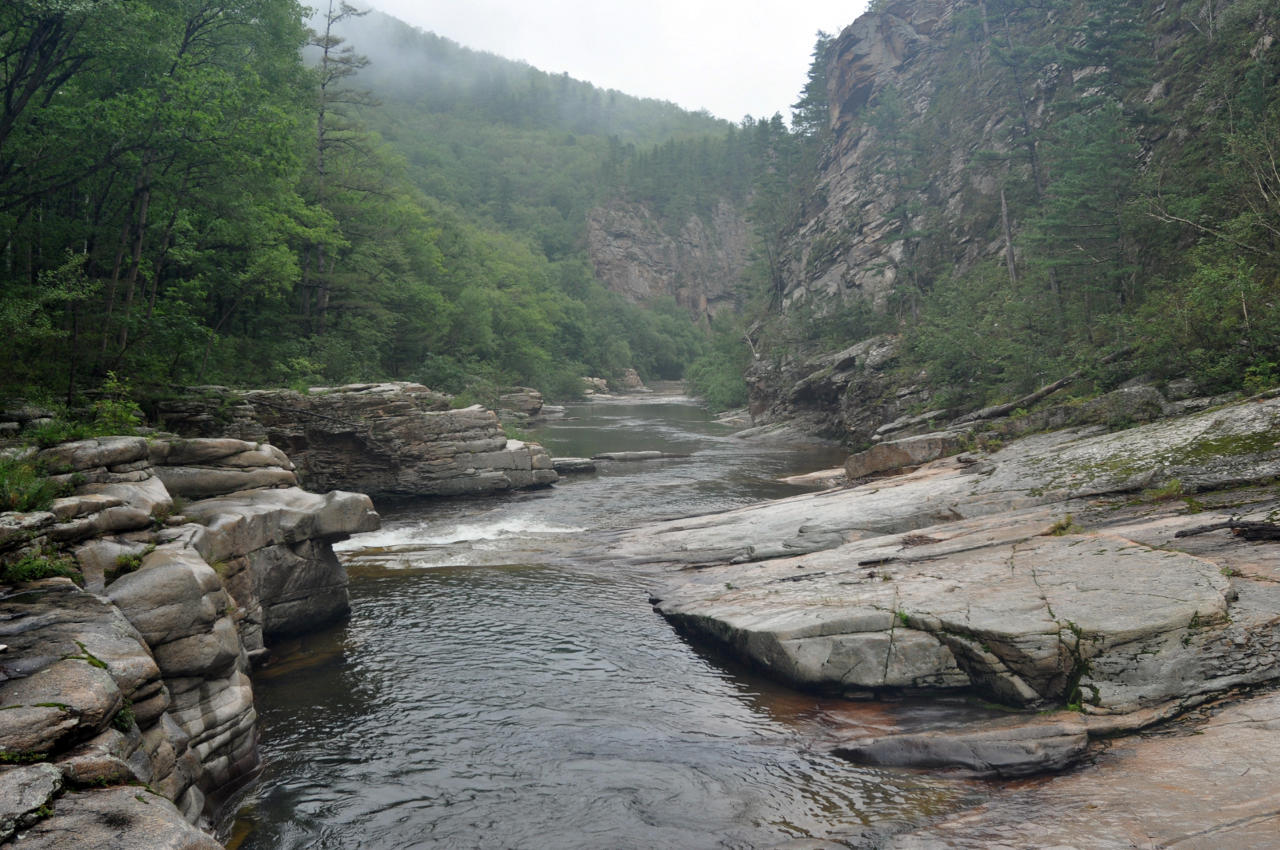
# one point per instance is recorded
(968, 574)
(1213, 789)
(993, 605)
(631, 457)
(573, 465)
(1017, 746)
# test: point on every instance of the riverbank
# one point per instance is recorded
(128, 708)
(1064, 572)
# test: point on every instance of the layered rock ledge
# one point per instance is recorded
(126, 705)
(1046, 574)
(385, 440)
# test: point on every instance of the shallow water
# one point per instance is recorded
(494, 688)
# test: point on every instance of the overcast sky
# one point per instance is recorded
(730, 57)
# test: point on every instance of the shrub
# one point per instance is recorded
(36, 567)
(24, 487)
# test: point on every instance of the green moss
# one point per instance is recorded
(1171, 489)
(89, 658)
(1231, 445)
(1066, 525)
(125, 718)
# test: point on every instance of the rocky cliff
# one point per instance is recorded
(128, 705)
(971, 144)
(385, 440)
(698, 262)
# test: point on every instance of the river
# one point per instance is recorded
(497, 688)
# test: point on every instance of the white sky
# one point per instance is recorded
(730, 57)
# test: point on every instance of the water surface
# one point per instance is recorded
(495, 689)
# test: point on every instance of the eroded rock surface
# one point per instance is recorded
(394, 439)
(1002, 575)
(1215, 788)
(142, 678)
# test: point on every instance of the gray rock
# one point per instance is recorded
(18, 529)
(955, 576)
(127, 818)
(1018, 747)
(25, 793)
(632, 457)
(908, 451)
(197, 483)
(525, 401)
(695, 261)
(89, 454)
(382, 439)
(573, 465)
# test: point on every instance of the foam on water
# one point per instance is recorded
(434, 533)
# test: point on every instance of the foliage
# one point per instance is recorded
(24, 487)
(35, 567)
(717, 377)
(199, 204)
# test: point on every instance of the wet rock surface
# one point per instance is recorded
(1209, 785)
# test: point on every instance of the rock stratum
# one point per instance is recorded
(697, 262)
(385, 440)
(126, 705)
(1045, 575)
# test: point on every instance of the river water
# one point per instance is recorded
(497, 688)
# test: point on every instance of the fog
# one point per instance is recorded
(747, 57)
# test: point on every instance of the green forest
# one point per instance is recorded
(240, 192)
(1134, 224)
(229, 192)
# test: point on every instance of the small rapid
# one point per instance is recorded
(497, 688)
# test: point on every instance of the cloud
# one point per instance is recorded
(731, 58)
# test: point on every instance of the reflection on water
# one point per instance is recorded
(492, 691)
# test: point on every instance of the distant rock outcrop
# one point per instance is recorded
(386, 440)
(698, 262)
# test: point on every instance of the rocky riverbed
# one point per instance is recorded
(1047, 576)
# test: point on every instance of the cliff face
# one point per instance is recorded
(637, 256)
(850, 244)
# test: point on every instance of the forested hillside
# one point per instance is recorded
(1024, 191)
(201, 192)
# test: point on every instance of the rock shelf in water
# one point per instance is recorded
(1022, 576)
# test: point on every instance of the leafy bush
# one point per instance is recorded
(718, 376)
(35, 567)
(23, 487)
